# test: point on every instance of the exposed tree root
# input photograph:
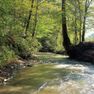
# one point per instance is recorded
(83, 52)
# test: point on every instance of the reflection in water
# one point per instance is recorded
(62, 77)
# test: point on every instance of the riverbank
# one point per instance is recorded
(8, 71)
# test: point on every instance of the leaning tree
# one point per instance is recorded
(83, 51)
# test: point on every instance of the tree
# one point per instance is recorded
(35, 20)
(66, 40)
(81, 51)
(80, 16)
(29, 18)
(87, 5)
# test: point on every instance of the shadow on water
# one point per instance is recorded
(55, 75)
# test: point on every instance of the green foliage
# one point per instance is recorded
(52, 42)
(6, 55)
(45, 23)
(47, 44)
(23, 47)
(36, 45)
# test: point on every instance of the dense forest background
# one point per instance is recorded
(29, 26)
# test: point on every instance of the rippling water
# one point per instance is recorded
(79, 81)
(60, 76)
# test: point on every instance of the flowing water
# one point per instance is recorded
(54, 75)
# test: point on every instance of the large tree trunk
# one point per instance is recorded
(66, 40)
(82, 51)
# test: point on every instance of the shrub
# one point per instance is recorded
(6, 54)
(23, 47)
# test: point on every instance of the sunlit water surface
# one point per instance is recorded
(55, 75)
